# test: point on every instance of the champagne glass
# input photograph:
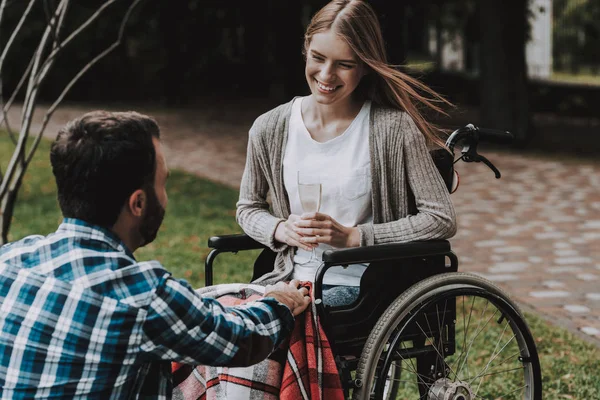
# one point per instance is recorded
(309, 191)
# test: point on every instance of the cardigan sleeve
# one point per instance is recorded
(252, 212)
(436, 218)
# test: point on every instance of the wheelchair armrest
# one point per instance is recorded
(234, 243)
(382, 252)
(368, 254)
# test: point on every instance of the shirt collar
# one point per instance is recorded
(87, 230)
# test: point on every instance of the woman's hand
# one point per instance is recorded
(285, 233)
(315, 228)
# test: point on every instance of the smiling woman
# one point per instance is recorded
(361, 132)
(363, 143)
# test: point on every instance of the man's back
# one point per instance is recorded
(79, 317)
(71, 309)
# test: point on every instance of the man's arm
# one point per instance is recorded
(182, 326)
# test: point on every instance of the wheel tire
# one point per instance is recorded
(426, 292)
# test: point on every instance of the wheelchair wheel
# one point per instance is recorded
(453, 336)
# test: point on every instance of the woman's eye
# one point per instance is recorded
(347, 66)
(317, 58)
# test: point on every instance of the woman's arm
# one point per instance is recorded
(436, 218)
(252, 208)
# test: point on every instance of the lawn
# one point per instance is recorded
(199, 208)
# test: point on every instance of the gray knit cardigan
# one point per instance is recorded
(399, 159)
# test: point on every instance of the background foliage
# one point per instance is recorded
(178, 51)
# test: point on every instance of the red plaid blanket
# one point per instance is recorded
(304, 370)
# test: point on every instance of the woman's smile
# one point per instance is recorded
(325, 88)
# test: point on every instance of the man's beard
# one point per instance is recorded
(153, 217)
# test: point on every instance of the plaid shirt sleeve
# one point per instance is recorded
(182, 326)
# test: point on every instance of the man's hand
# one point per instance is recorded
(296, 299)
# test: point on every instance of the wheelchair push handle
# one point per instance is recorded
(469, 137)
(495, 136)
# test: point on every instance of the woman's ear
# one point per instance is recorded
(137, 203)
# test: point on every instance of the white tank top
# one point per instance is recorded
(343, 167)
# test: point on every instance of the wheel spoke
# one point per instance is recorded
(466, 324)
(480, 330)
(487, 367)
(507, 359)
(497, 354)
(434, 345)
(465, 352)
(495, 373)
(422, 378)
(441, 334)
(494, 354)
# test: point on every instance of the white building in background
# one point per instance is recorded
(538, 49)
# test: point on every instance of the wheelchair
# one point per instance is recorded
(419, 329)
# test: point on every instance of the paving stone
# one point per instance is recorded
(553, 284)
(590, 236)
(565, 253)
(577, 240)
(550, 235)
(560, 270)
(490, 243)
(549, 294)
(577, 308)
(589, 330)
(591, 224)
(508, 267)
(593, 296)
(562, 218)
(562, 245)
(500, 277)
(510, 249)
(573, 260)
(587, 277)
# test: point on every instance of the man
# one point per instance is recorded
(80, 317)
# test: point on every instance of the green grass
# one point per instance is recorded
(198, 209)
(585, 78)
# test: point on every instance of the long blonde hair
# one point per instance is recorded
(356, 23)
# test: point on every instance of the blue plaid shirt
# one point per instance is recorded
(81, 318)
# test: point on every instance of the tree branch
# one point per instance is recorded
(100, 56)
(15, 32)
(4, 116)
(18, 157)
(3, 6)
(74, 34)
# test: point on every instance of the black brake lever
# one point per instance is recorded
(490, 165)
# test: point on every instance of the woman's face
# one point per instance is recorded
(332, 69)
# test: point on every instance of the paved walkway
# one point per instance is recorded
(536, 231)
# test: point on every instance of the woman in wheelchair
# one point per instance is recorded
(360, 141)
(356, 190)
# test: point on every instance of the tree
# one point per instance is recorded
(55, 37)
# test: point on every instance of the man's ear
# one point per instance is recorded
(137, 203)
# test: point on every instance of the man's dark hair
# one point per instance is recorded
(99, 160)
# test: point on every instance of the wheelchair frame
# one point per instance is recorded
(377, 296)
